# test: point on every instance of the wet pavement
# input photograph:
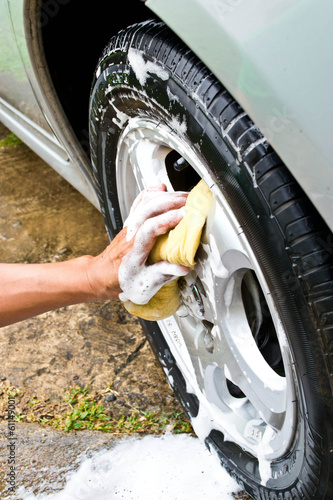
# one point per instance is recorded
(43, 219)
(45, 456)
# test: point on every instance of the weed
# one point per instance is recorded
(87, 413)
(19, 417)
(10, 141)
(79, 409)
(34, 401)
(73, 396)
(12, 392)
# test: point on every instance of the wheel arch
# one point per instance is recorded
(65, 39)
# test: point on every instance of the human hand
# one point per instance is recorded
(122, 271)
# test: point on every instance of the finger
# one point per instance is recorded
(162, 223)
(158, 275)
(155, 202)
(152, 228)
(159, 187)
(158, 204)
(152, 278)
(138, 199)
(164, 271)
(152, 205)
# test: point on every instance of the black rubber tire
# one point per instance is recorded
(289, 238)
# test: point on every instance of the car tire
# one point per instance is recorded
(249, 354)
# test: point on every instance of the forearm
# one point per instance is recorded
(30, 289)
(27, 290)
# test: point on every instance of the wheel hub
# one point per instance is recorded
(191, 292)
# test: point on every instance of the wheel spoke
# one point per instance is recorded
(147, 160)
(245, 367)
(240, 362)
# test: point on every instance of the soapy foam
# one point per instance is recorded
(215, 261)
(142, 68)
(150, 216)
(228, 295)
(151, 468)
(150, 206)
(140, 282)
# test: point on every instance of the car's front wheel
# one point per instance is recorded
(248, 352)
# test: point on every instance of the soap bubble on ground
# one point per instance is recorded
(176, 467)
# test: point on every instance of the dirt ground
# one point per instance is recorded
(99, 345)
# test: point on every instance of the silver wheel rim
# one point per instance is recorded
(210, 336)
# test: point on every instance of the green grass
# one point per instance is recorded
(80, 409)
(10, 141)
(86, 413)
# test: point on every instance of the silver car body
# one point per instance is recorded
(275, 57)
(28, 103)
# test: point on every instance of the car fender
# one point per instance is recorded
(276, 60)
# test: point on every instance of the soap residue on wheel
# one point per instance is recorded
(142, 68)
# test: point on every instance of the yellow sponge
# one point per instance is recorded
(178, 246)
